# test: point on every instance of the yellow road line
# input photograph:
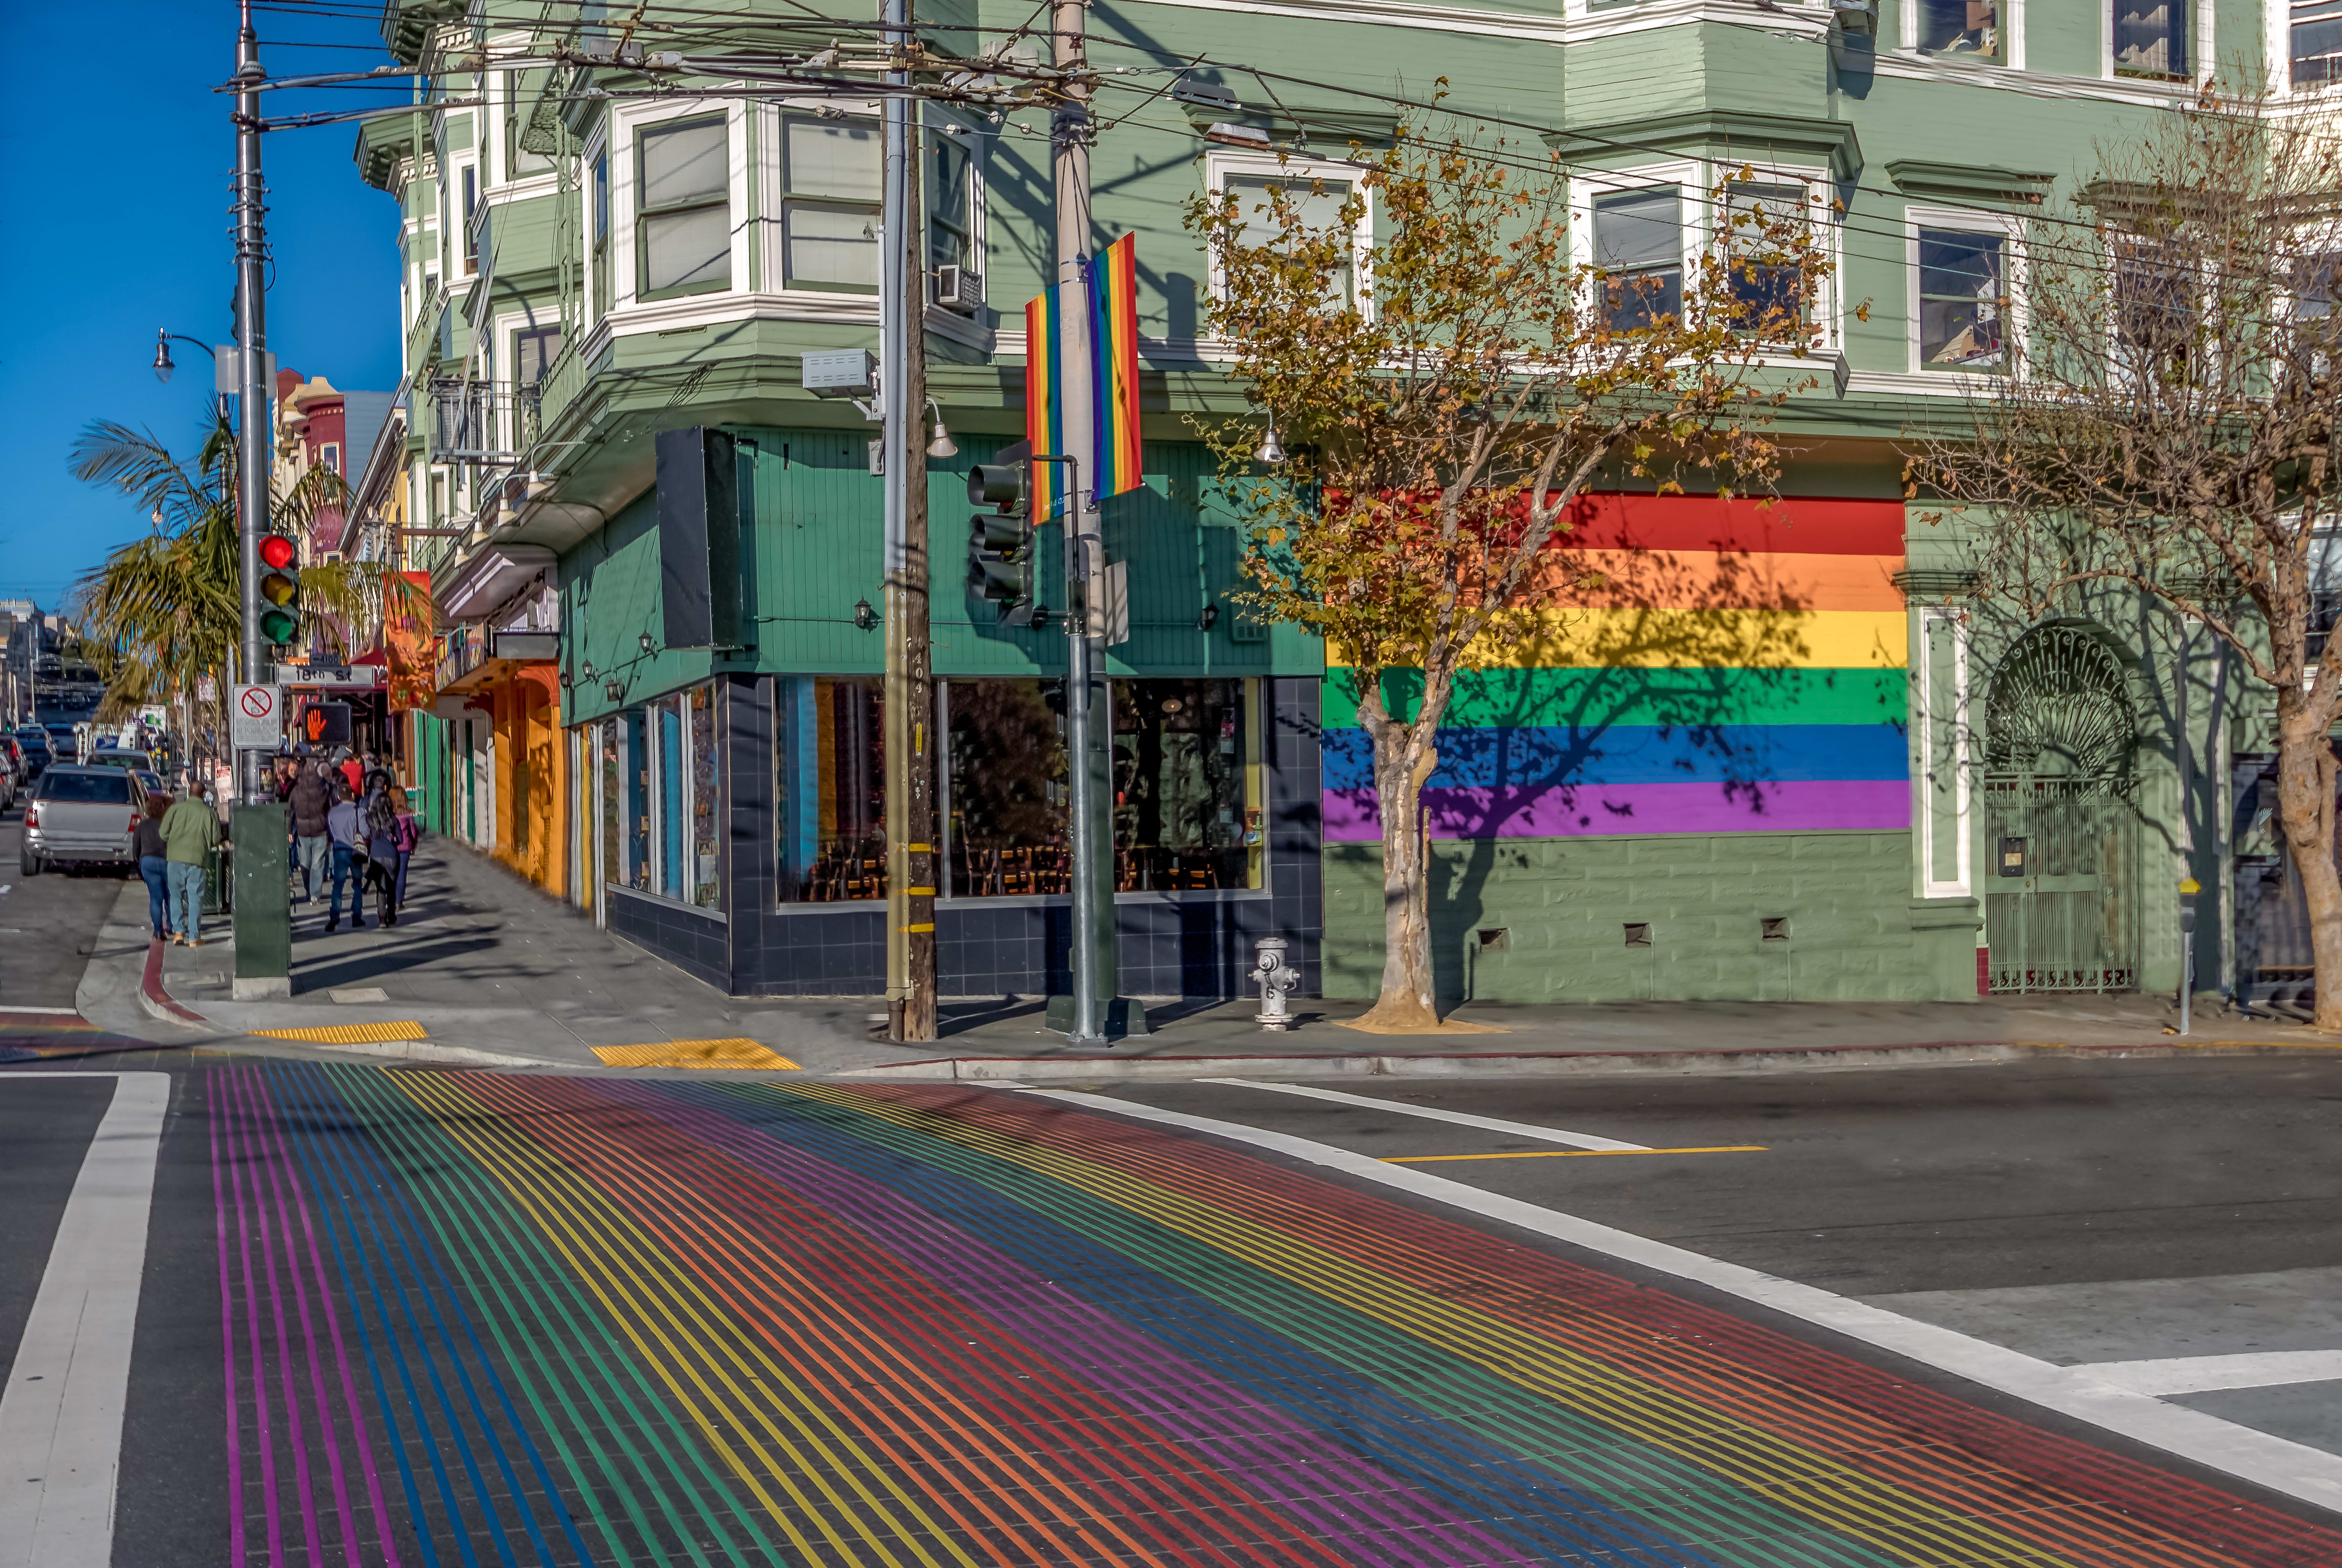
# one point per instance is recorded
(1571, 1153)
(732, 1053)
(350, 1033)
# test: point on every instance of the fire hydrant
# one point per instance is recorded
(1275, 979)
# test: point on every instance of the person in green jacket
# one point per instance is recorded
(191, 831)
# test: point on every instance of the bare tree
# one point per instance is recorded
(1444, 396)
(2168, 423)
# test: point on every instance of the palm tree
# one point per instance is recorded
(166, 609)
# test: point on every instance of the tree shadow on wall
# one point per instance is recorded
(1683, 666)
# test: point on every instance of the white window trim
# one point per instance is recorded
(1963, 220)
(2012, 36)
(1687, 175)
(773, 244)
(1220, 164)
(596, 146)
(627, 123)
(502, 95)
(1932, 882)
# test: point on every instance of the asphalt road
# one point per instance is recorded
(48, 923)
(451, 1316)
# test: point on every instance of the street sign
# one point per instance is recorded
(257, 718)
(357, 677)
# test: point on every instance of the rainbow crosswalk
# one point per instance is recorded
(479, 1319)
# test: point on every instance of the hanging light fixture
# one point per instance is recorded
(163, 366)
(942, 445)
(1269, 451)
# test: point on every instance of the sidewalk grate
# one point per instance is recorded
(696, 1054)
(350, 1033)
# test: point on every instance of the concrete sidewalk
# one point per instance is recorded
(485, 968)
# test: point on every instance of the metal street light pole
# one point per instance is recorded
(252, 445)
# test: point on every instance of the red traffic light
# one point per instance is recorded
(277, 551)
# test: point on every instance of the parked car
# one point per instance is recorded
(12, 773)
(38, 753)
(152, 780)
(135, 762)
(82, 815)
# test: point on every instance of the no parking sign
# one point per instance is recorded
(258, 718)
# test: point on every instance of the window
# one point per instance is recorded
(1186, 787)
(534, 351)
(1638, 241)
(1007, 796)
(951, 206)
(329, 456)
(684, 227)
(1317, 206)
(2150, 37)
(524, 92)
(1963, 300)
(2153, 318)
(601, 232)
(471, 204)
(1970, 28)
(674, 799)
(1758, 218)
(830, 768)
(830, 189)
(2316, 43)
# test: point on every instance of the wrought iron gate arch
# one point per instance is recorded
(2060, 787)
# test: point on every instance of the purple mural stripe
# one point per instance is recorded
(1278, 1459)
(228, 1340)
(1583, 811)
(264, 1442)
(266, 1161)
(287, 1173)
(255, 1160)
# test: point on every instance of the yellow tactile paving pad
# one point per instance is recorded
(735, 1054)
(350, 1033)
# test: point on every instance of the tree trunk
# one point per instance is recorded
(1404, 756)
(2305, 794)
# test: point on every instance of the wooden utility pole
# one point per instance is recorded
(912, 864)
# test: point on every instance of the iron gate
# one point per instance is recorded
(2061, 877)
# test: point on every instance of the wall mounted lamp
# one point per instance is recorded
(1207, 618)
(646, 641)
(614, 689)
(586, 669)
(865, 616)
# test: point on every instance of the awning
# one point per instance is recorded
(493, 578)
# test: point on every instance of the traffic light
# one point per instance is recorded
(280, 589)
(1001, 564)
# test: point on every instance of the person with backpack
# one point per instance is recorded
(381, 829)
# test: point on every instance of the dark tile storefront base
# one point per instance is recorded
(693, 940)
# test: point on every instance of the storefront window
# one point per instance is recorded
(830, 769)
(1007, 792)
(671, 812)
(638, 800)
(1186, 805)
(707, 883)
(613, 781)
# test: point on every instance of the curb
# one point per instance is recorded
(155, 1002)
(1550, 1063)
(1518, 1065)
(424, 1052)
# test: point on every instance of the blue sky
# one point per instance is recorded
(120, 153)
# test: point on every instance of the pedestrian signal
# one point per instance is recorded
(280, 589)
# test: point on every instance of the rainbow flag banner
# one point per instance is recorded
(1713, 667)
(471, 1318)
(1114, 335)
(1081, 379)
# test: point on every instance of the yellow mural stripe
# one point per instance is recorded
(1663, 639)
(349, 1033)
(1908, 1527)
(735, 1053)
(654, 1303)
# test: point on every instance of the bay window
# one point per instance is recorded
(2150, 37)
(1968, 28)
(1317, 205)
(1638, 242)
(684, 213)
(1963, 300)
(1759, 219)
(830, 189)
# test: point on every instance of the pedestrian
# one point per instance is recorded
(311, 798)
(342, 828)
(382, 854)
(352, 771)
(191, 832)
(154, 857)
(410, 835)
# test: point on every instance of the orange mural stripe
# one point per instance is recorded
(1718, 580)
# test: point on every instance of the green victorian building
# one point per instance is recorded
(1841, 780)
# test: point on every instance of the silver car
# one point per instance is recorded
(82, 815)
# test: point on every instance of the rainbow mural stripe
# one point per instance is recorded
(469, 1319)
(1721, 668)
